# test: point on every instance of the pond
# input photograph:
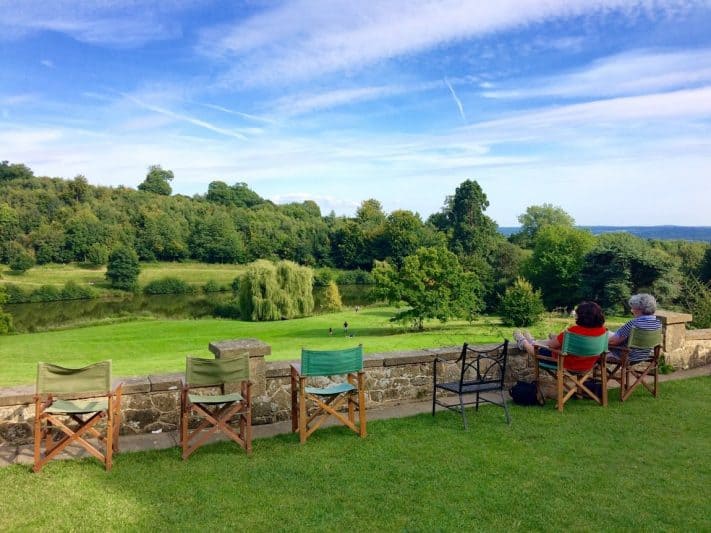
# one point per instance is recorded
(31, 317)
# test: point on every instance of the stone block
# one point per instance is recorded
(228, 348)
(165, 382)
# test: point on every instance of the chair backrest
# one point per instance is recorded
(201, 372)
(582, 345)
(60, 380)
(489, 366)
(644, 339)
(331, 362)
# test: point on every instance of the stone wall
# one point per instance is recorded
(152, 403)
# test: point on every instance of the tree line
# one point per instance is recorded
(456, 259)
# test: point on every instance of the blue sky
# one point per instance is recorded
(602, 107)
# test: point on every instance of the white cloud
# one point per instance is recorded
(691, 104)
(303, 39)
(122, 23)
(634, 72)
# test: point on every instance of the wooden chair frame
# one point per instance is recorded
(85, 415)
(325, 404)
(479, 371)
(216, 416)
(570, 382)
(631, 374)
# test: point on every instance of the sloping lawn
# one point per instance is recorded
(155, 346)
(642, 465)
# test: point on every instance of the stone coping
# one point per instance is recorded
(698, 334)
(672, 317)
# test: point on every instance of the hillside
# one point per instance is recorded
(687, 233)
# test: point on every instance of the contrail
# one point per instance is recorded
(456, 100)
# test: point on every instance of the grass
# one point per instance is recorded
(641, 465)
(155, 346)
(58, 275)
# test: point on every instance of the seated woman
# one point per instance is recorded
(589, 321)
(643, 307)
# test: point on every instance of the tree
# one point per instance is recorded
(123, 269)
(538, 217)
(332, 298)
(405, 233)
(521, 305)
(557, 263)
(432, 283)
(214, 239)
(15, 171)
(269, 292)
(157, 181)
(620, 265)
(471, 231)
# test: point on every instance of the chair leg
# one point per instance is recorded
(506, 407)
(302, 411)
(361, 405)
(559, 390)
(37, 437)
(461, 408)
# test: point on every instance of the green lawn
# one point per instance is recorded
(58, 275)
(640, 466)
(154, 346)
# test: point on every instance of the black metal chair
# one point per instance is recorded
(480, 371)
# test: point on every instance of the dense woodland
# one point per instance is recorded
(53, 220)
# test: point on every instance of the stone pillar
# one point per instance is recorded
(674, 328)
(256, 349)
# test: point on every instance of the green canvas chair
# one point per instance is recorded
(327, 401)
(216, 411)
(571, 382)
(636, 362)
(86, 399)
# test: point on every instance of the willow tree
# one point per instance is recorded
(273, 292)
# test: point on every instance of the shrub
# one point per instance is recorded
(5, 318)
(16, 294)
(212, 286)
(20, 260)
(123, 269)
(521, 305)
(356, 277)
(697, 296)
(332, 298)
(46, 293)
(73, 291)
(97, 255)
(323, 276)
(168, 285)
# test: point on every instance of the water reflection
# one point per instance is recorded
(46, 315)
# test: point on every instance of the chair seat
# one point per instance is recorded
(216, 399)
(466, 388)
(59, 407)
(336, 388)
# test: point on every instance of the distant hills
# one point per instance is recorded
(686, 233)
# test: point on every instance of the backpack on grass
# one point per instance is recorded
(525, 393)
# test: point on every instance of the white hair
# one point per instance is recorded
(644, 302)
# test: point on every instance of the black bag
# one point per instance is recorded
(524, 393)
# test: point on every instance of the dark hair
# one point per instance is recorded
(589, 315)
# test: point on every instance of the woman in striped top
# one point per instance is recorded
(643, 307)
